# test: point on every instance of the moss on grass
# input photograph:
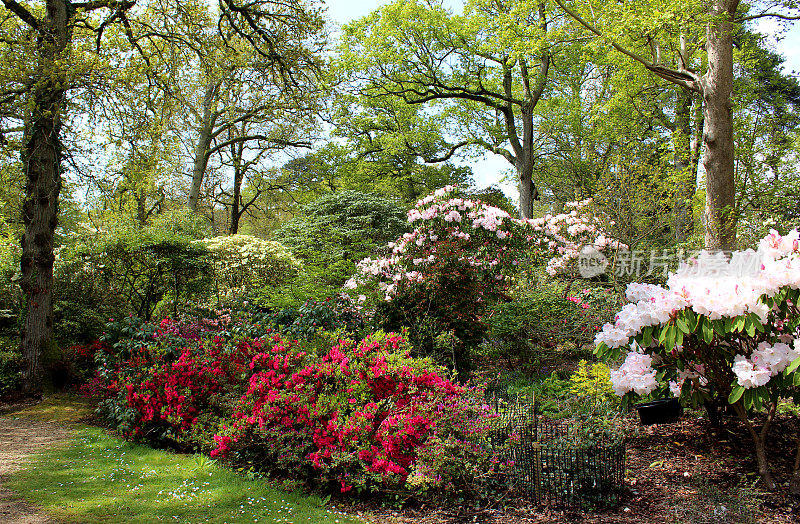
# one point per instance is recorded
(65, 408)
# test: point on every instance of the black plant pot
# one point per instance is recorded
(659, 411)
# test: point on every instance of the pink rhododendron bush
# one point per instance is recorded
(715, 334)
(440, 279)
(565, 236)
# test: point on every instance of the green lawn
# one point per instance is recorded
(94, 477)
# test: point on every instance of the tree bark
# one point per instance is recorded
(238, 176)
(527, 189)
(718, 157)
(759, 444)
(687, 176)
(203, 147)
(41, 161)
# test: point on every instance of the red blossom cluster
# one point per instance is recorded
(358, 415)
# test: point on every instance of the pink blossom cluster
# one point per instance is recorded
(484, 234)
(568, 234)
(635, 374)
(693, 375)
(443, 220)
(764, 363)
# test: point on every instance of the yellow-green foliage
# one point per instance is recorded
(592, 381)
(244, 263)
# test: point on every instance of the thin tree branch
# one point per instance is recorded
(24, 15)
(683, 77)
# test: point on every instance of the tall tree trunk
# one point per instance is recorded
(238, 176)
(203, 146)
(682, 140)
(527, 189)
(41, 160)
(718, 159)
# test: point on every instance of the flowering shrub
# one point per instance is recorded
(731, 337)
(544, 318)
(567, 235)
(439, 279)
(361, 415)
(157, 379)
(243, 263)
(331, 314)
(334, 412)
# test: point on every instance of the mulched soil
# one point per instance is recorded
(684, 472)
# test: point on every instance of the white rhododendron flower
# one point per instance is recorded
(636, 374)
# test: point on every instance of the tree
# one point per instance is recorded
(57, 47)
(259, 82)
(391, 147)
(658, 26)
(49, 33)
(484, 84)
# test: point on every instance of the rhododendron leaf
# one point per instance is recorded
(647, 336)
(758, 400)
(682, 325)
(736, 394)
(708, 331)
(662, 336)
(727, 324)
(669, 338)
(796, 379)
(691, 319)
(747, 398)
(794, 365)
(739, 323)
(678, 338)
(750, 327)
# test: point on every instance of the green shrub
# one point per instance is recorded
(313, 316)
(182, 222)
(544, 319)
(10, 361)
(337, 230)
(84, 298)
(139, 265)
(10, 297)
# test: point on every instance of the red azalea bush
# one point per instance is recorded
(167, 383)
(330, 412)
(360, 415)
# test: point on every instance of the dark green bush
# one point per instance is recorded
(545, 319)
(10, 360)
(329, 236)
(331, 314)
(347, 225)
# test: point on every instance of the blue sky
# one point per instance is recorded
(491, 170)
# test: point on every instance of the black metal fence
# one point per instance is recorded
(556, 462)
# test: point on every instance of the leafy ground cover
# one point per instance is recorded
(96, 477)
